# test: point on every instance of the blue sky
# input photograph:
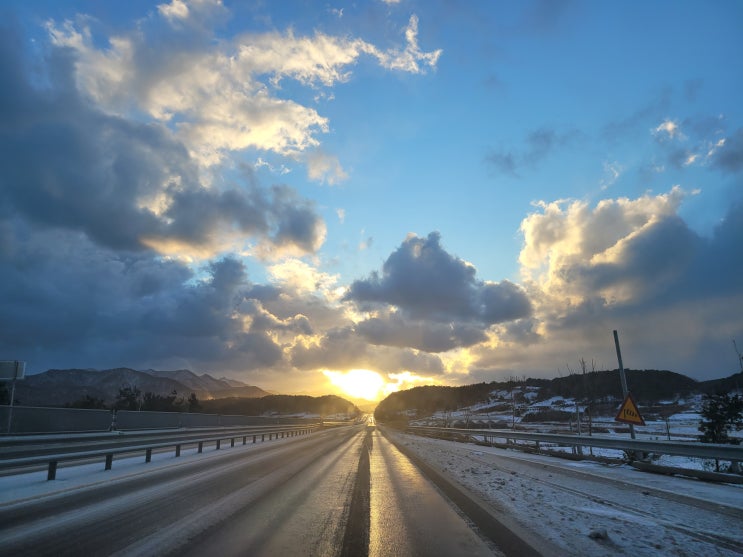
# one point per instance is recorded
(435, 192)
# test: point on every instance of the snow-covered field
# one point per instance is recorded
(588, 508)
(681, 422)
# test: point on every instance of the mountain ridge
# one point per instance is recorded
(58, 387)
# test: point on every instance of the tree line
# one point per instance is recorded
(132, 398)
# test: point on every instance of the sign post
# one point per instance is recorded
(14, 370)
(625, 390)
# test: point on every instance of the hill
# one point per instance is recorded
(327, 405)
(57, 387)
(591, 389)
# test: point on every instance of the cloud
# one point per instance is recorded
(540, 144)
(425, 282)
(129, 185)
(221, 96)
(628, 264)
(422, 335)
(324, 168)
(668, 129)
(727, 154)
(571, 250)
(343, 348)
(70, 302)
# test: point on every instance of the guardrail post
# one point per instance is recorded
(52, 472)
(177, 450)
(219, 444)
(201, 446)
(254, 438)
(270, 436)
(109, 461)
(245, 437)
(148, 455)
(232, 442)
(263, 437)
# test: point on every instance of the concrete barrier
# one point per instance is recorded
(33, 419)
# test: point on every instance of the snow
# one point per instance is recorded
(587, 508)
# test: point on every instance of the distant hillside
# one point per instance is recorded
(57, 387)
(647, 386)
(282, 404)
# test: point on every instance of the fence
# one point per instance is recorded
(32, 419)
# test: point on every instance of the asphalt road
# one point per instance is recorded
(343, 491)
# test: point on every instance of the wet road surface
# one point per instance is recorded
(409, 516)
(344, 491)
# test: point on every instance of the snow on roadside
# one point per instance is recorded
(543, 494)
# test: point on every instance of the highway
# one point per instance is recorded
(357, 491)
(341, 491)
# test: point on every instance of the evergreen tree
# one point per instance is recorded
(721, 413)
(193, 403)
(129, 398)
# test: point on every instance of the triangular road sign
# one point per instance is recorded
(628, 412)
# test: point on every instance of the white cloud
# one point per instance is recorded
(298, 276)
(410, 58)
(325, 168)
(219, 96)
(568, 241)
(612, 172)
(177, 9)
(668, 129)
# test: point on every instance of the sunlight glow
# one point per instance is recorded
(358, 383)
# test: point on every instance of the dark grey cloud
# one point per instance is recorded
(68, 302)
(730, 156)
(422, 335)
(538, 145)
(651, 260)
(68, 165)
(439, 302)
(425, 282)
(644, 117)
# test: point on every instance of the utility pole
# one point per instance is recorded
(625, 390)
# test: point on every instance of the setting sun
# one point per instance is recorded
(358, 383)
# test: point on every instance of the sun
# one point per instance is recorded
(358, 383)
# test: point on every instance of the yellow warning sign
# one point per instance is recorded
(628, 412)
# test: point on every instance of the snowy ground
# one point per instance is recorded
(587, 508)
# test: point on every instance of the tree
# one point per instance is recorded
(160, 403)
(129, 398)
(193, 403)
(88, 402)
(721, 413)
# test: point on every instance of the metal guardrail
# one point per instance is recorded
(77, 452)
(679, 448)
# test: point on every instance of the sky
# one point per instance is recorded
(360, 197)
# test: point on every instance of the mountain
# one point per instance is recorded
(204, 382)
(57, 387)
